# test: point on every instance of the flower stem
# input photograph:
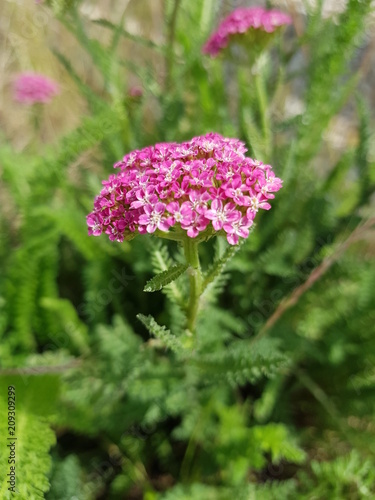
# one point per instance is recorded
(263, 108)
(170, 43)
(195, 277)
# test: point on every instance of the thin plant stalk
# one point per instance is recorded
(195, 279)
(170, 43)
(263, 109)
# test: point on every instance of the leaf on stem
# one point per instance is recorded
(160, 332)
(218, 267)
(164, 278)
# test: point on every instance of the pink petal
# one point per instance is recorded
(216, 204)
(210, 214)
(232, 239)
(164, 225)
(173, 207)
(217, 224)
(159, 208)
(192, 232)
(264, 205)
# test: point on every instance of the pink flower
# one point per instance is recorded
(242, 20)
(220, 214)
(135, 92)
(30, 88)
(182, 214)
(268, 184)
(153, 218)
(199, 200)
(144, 197)
(256, 202)
(237, 229)
(95, 224)
(197, 224)
(201, 186)
(235, 190)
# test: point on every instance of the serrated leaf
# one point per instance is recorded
(161, 261)
(218, 267)
(164, 278)
(161, 333)
(243, 361)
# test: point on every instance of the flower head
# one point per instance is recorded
(199, 187)
(241, 21)
(30, 88)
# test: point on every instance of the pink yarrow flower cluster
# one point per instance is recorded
(201, 186)
(31, 88)
(240, 21)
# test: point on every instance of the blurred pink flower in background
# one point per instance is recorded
(30, 88)
(135, 91)
(240, 21)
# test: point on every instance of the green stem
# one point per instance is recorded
(195, 277)
(263, 109)
(187, 461)
(170, 43)
(37, 119)
(169, 235)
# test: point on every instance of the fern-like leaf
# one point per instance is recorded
(243, 361)
(161, 333)
(161, 262)
(164, 278)
(218, 267)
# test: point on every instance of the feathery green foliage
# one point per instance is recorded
(160, 332)
(164, 278)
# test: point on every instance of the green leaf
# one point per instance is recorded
(93, 99)
(218, 267)
(252, 134)
(242, 361)
(75, 329)
(161, 333)
(126, 34)
(276, 440)
(161, 262)
(164, 278)
(99, 55)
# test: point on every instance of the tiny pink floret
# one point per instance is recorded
(31, 88)
(242, 20)
(206, 183)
